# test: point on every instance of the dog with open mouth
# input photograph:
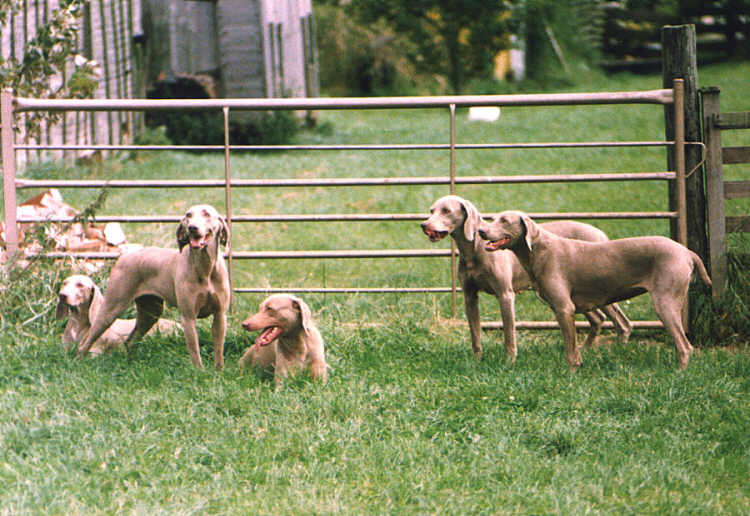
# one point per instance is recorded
(500, 274)
(288, 341)
(573, 276)
(193, 278)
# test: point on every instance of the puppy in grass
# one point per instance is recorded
(288, 341)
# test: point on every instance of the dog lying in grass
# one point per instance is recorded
(79, 300)
(288, 341)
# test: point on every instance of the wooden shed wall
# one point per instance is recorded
(181, 38)
(106, 35)
(241, 48)
(289, 48)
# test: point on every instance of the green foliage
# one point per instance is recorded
(45, 56)
(561, 37)
(153, 136)
(267, 128)
(457, 40)
(207, 127)
(726, 322)
(362, 59)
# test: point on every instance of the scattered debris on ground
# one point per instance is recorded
(68, 237)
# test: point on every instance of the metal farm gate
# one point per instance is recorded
(674, 97)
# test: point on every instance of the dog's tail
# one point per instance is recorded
(698, 265)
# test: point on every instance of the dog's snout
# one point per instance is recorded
(192, 228)
(482, 234)
(63, 297)
(423, 225)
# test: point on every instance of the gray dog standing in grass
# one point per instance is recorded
(500, 274)
(574, 276)
(193, 278)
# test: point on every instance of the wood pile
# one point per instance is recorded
(68, 236)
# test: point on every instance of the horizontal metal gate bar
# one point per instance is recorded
(346, 290)
(348, 147)
(373, 253)
(271, 255)
(552, 325)
(662, 96)
(335, 181)
(362, 217)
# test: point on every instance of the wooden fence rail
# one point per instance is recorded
(718, 190)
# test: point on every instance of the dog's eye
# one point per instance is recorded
(445, 211)
(79, 285)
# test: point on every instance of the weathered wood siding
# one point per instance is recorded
(290, 52)
(241, 43)
(251, 48)
(181, 38)
(106, 35)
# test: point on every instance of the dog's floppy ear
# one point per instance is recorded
(532, 230)
(95, 302)
(183, 238)
(61, 312)
(472, 220)
(223, 231)
(305, 314)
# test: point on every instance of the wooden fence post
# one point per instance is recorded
(717, 242)
(9, 172)
(679, 61)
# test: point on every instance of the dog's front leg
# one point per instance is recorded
(318, 370)
(218, 331)
(565, 316)
(508, 312)
(471, 307)
(191, 341)
(247, 358)
(281, 369)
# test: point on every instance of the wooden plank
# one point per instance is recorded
(738, 224)
(736, 189)
(241, 49)
(735, 155)
(733, 120)
(717, 244)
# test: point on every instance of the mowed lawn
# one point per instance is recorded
(409, 422)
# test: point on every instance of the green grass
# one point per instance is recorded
(409, 422)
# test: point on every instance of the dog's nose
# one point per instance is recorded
(423, 225)
(64, 298)
(482, 234)
(192, 228)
